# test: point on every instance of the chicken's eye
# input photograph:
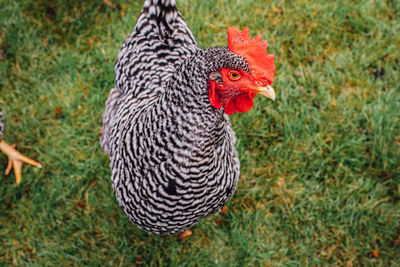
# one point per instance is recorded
(234, 75)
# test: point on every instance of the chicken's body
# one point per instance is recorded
(173, 157)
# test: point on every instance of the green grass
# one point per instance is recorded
(320, 175)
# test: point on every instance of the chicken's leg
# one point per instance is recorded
(15, 160)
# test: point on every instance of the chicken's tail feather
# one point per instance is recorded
(158, 16)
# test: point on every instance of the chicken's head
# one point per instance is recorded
(236, 88)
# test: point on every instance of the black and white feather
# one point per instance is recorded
(173, 157)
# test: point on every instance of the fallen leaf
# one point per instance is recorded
(375, 253)
(80, 204)
(277, 10)
(224, 210)
(218, 221)
(185, 234)
(90, 40)
(93, 183)
(58, 112)
(109, 3)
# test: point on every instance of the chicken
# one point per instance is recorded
(15, 159)
(165, 127)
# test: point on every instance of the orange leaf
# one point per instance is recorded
(185, 234)
(110, 4)
(224, 210)
(277, 10)
(58, 112)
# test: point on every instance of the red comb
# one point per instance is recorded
(254, 51)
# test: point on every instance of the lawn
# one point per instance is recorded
(320, 166)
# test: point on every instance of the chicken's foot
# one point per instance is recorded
(15, 160)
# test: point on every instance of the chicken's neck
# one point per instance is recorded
(188, 90)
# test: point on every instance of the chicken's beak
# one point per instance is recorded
(267, 91)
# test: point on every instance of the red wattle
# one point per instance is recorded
(241, 103)
(215, 98)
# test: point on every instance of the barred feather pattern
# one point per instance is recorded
(172, 155)
(159, 43)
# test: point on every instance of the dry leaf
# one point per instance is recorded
(109, 3)
(218, 221)
(90, 40)
(224, 210)
(375, 253)
(185, 234)
(58, 112)
(277, 10)
(80, 204)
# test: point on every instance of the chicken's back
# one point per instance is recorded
(159, 43)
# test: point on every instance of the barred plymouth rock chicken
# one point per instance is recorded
(165, 128)
(15, 159)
